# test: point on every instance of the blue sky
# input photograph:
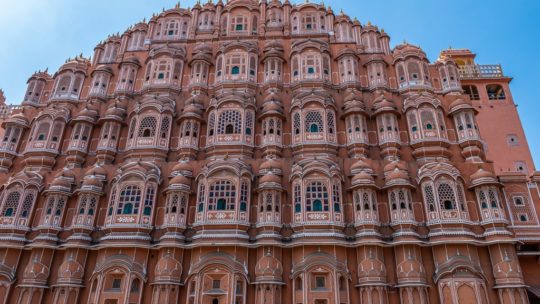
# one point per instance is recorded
(43, 33)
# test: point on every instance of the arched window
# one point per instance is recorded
(235, 70)
(222, 196)
(296, 123)
(11, 203)
(495, 92)
(230, 122)
(317, 197)
(129, 200)
(314, 122)
(297, 198)
(147, 127)
(446, 195)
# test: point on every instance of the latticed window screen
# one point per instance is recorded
(165, 123)
(129, 200)
(149, 200)
(61, 201)
(27, 205)
(211, 123)
(50, 205)
(187, 129)
(11, 203)
(92, 207)
(413, 122)
(268, 201)
(83, 202)
(493, 198)
(314, 122)
(42, 131)
(200, 203)
(330, 122)
(483, 200)
(369, 200)
(297, 198)
(132, 127)
(296, 123)
(336, 198)
(428, 120)
(447, 199)
(222, 196)
(244, 195)
(230, 122)
(429, 197)
(249, 123)
(317, 197)
(171, 28)
(460, 197)
(57, 131)
(147, 127)
(172, 206)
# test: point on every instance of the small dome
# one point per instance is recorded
(372, 269)
(168, 268)
(92, 181)
(270, 178)
(405, 49)
(481, 173)
(483, 177)
(97, 171)
(383, 104)
(36, 271)
(395, 165)
(269, 268)
(70, 270)
(270, 164)
(360, 165)
(60, 182)
(363, 178)
(459, 104)
(396, 175)
(183, 168)
(180, 180)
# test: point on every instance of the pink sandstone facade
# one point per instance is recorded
(269, 153)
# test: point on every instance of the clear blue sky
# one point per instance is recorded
(36, 34)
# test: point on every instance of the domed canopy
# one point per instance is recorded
(98, 171)
(353, 102)
(382, 104)
(16, 119)
(180, 180)
(270, 178)
(482, 177)
(115, 112)
(168, 269)
(269, 269)
(92, 182)
(184, 168)
(458, 105)
(361, 166)
(403, 50)
(62, 182)
(70, 271)
(391, 166)
(363, 179)
(270, 165)
(87, 115)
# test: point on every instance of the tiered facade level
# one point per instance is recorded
(268, 153)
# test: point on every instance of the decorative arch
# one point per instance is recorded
(133, 194)
(317, 193)
(224, 193)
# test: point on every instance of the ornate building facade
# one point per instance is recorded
(269, 153)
